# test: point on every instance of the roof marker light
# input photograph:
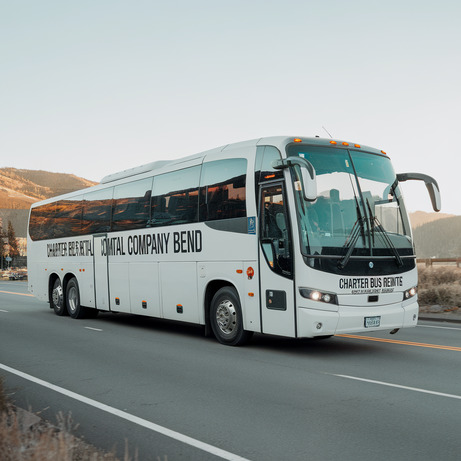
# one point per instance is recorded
(383, 152)
(345, 143)
(357, 145)
(297, 140)
(333, 142)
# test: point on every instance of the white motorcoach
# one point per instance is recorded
(300, 237)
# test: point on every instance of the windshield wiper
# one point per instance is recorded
(383, 234)
(357, 230)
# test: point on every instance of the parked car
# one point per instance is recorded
(16, 276)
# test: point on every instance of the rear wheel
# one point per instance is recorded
(226, 318)
(57, 299)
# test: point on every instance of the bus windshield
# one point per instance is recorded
(359, 210)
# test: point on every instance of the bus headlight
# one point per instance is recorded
(320, 296)
(410, 293)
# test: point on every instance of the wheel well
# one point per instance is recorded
(211, 290)
(66, 279)
(51, 281)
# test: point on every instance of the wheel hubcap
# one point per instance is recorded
(73, 299)
(57, 296)
(226, 317)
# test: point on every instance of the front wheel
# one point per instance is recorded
(57, 299)
(226, 318)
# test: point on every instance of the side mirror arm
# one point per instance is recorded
(431, 185)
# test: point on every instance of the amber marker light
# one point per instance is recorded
(297, 140)
(345, 143)
(239, 271)
(358, 146)
(251, 295)
(333, 142)
(383, 152)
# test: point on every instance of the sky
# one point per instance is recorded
(92, 87)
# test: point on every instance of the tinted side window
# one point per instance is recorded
(68, 217)
(41, 222)
(222, 189)
(97, 210)
(131, 208)
(175, 197)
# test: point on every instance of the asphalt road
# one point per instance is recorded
(166, 390)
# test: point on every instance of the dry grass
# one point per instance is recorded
(440, 285)
(3, 399)
(42, 441)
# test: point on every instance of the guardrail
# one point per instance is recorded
(430, 261)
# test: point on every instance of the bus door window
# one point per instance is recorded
(275, 231)
(264, 171)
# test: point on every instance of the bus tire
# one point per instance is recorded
(57, 298)
(226, 318)
(76, 311)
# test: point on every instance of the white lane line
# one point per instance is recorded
(129, 417)
(442, 328)
(415, 389)
(94, 329)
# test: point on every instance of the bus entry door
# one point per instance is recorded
(101, 272)
(276, 263)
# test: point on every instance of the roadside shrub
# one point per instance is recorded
(439, 286)
(438, 275)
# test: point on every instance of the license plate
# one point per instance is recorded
(371, 322)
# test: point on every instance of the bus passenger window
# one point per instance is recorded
(222, 189)
(175, 197)
(97, 210)
(68, 217)
(132, 205)
(41, 222)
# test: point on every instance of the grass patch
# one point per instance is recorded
(439, 285)
(42, 441)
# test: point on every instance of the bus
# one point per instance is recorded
(296, 237)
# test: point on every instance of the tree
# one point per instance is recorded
(2, 247)
(12, 241)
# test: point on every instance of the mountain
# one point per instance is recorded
(20, 188)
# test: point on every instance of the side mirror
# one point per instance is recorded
(431, 185)
(308, 177)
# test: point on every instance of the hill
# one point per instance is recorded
(20, 188)
(418, 218)
(439, 239)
